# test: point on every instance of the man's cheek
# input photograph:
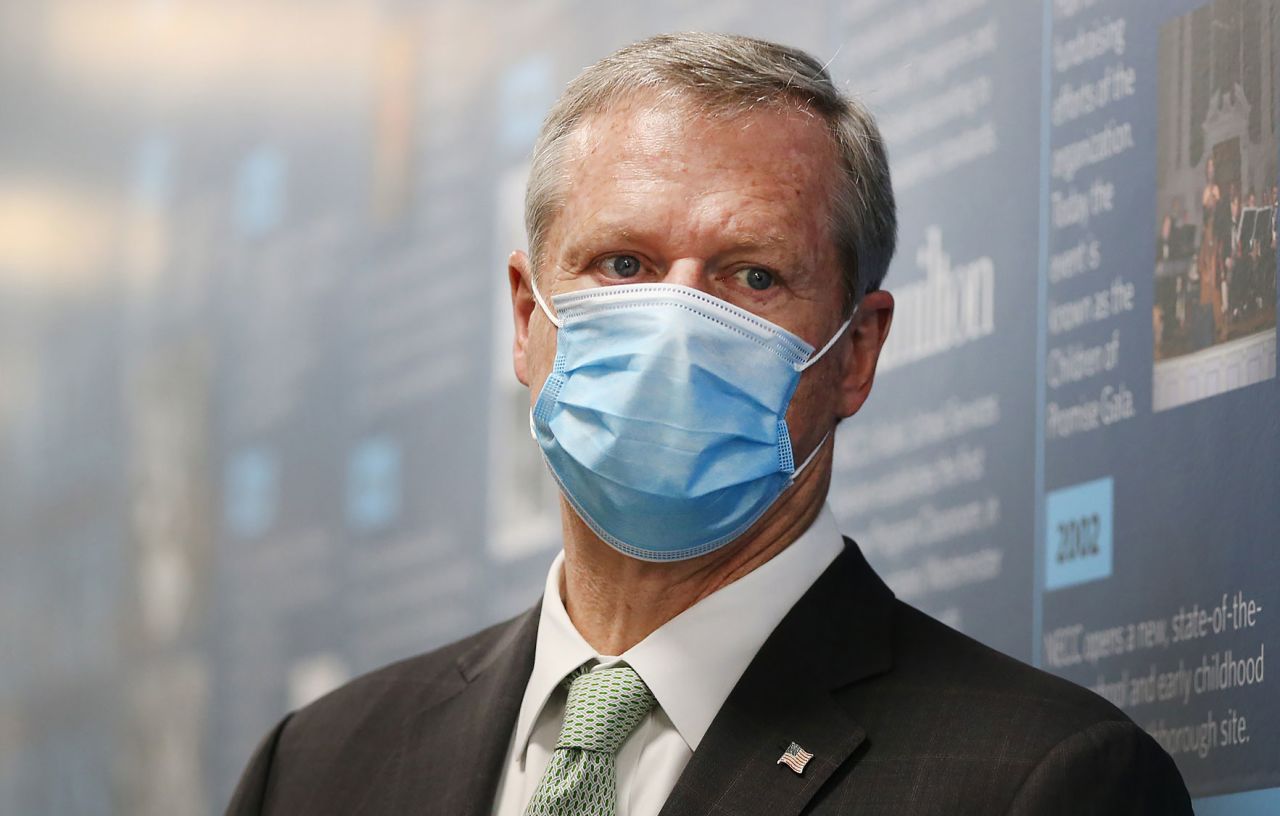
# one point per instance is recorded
(542, 353)
(812, 396)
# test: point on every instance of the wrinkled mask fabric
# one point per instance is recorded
(663, 416)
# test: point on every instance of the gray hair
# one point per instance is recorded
(726, 75)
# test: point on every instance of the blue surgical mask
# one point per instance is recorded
(663, 417)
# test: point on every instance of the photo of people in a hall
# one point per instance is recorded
(1214, 300)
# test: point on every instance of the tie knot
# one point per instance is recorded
(604, 707)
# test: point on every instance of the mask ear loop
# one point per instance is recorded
(810, 457)
(555, 321)
(839, 332)
(813, 454)
(795, 474)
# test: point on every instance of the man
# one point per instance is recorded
(709, 223)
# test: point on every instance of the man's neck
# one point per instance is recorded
(615, 601)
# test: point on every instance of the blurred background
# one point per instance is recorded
(259, 431)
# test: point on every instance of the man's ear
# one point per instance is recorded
(867, 333)
(520, 277)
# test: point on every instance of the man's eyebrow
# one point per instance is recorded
(736, 241)
(595, 239)
(761, 240)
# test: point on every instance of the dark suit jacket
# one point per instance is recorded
(902, 715)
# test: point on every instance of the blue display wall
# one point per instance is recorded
(259, 430)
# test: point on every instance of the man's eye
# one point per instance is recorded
(757, 278)
(621, 266)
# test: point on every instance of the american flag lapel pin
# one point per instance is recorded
(795, 758)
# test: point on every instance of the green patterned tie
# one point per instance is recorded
(604, 707)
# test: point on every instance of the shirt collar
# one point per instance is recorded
(688, 663)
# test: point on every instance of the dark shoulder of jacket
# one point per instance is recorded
(1106, 769)
(385, 692)
(1043, 722)
(934, 658)
(348, 727)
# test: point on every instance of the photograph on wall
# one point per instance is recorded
(1214, 307)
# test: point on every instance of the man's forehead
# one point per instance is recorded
(648, 123)
(640, 113)
(664, 172)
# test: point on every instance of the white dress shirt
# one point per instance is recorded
(690, 663)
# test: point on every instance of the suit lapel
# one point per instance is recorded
(456, 745)
(836, 634)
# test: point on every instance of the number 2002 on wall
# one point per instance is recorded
(1078, 534)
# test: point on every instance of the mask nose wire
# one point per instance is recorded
(839, 332)
(555, 321)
